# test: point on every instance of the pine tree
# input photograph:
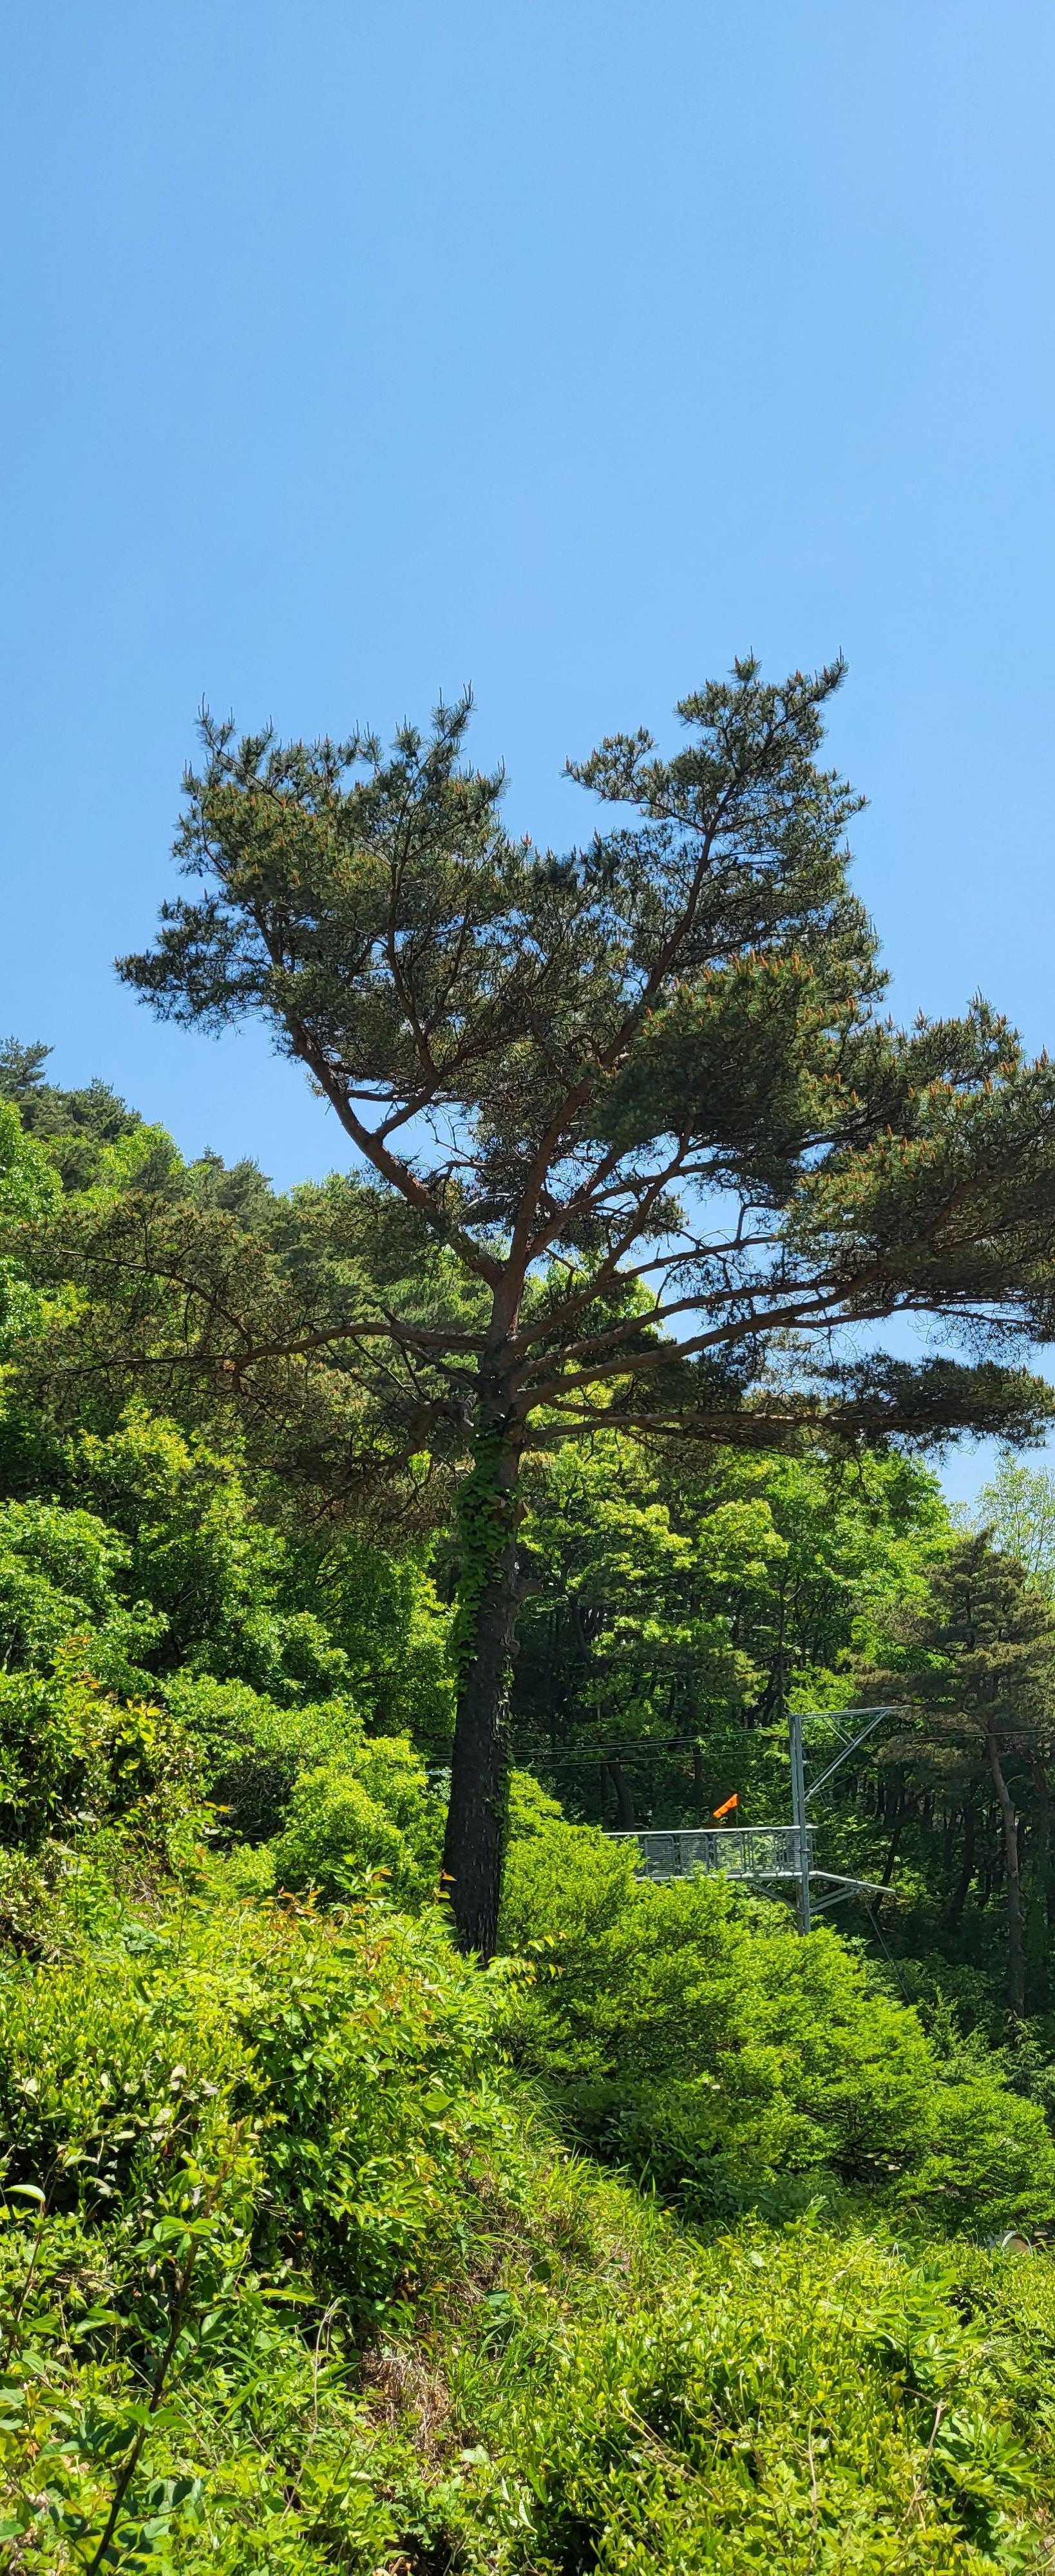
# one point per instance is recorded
(642, 1099)
(981, 1692)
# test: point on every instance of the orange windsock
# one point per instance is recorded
(730, 1803)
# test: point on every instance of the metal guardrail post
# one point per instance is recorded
(799, 1818)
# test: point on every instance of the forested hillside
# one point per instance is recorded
(639, 2230)
(320, 2247)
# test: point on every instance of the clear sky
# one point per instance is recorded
(359, 348)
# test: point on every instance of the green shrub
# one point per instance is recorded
(689, 2031)
(794, 2403)
(372, 1812)
(330, 1801)
(60, 1575)
(253, 1752)
(347, 2053)
(113, 2083)
(227, 2139)
(73, 1759)
(257, 2162)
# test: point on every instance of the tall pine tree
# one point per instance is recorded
(641, 1097)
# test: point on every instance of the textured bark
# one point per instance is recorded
(476, 1817)
(475, 1838)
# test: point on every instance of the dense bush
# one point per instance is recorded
(215, 2122)
(61, 1575)
(789, 2402)
(375, 1812)
(329, 1801)
(688, 2030)
(253, 1752)
(291, 2282)
(73, 1759)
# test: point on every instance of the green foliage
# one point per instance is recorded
(234, 2140)
(254, 1752)
(28, 1186)
(297, 2270)
(975, 1666)
(794, 2404)
(174, 1565)
(97, 1143)
(1017, 1508)
(675, 1603)
(381, 1607)
(374, 1812)
(221, 1577)
(486, 1523)
(62, 1574)
(74, 1760)
(29, 1194)
(183, 2096)
(75, 1127)
(167, 1265)
(328, 1802)
(288, 2282)
(693, 2033)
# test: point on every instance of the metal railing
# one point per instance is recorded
(733, 1851)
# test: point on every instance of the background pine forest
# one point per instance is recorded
(669, 2239)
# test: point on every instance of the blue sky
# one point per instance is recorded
(359, 348)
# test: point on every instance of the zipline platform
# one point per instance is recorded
(767, 1855)
(731, 1851)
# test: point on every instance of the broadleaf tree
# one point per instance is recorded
(643, 1099)
(1017, 1508)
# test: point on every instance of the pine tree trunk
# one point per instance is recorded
(487, 1603)
(1016, 1965)
(624, 1802)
